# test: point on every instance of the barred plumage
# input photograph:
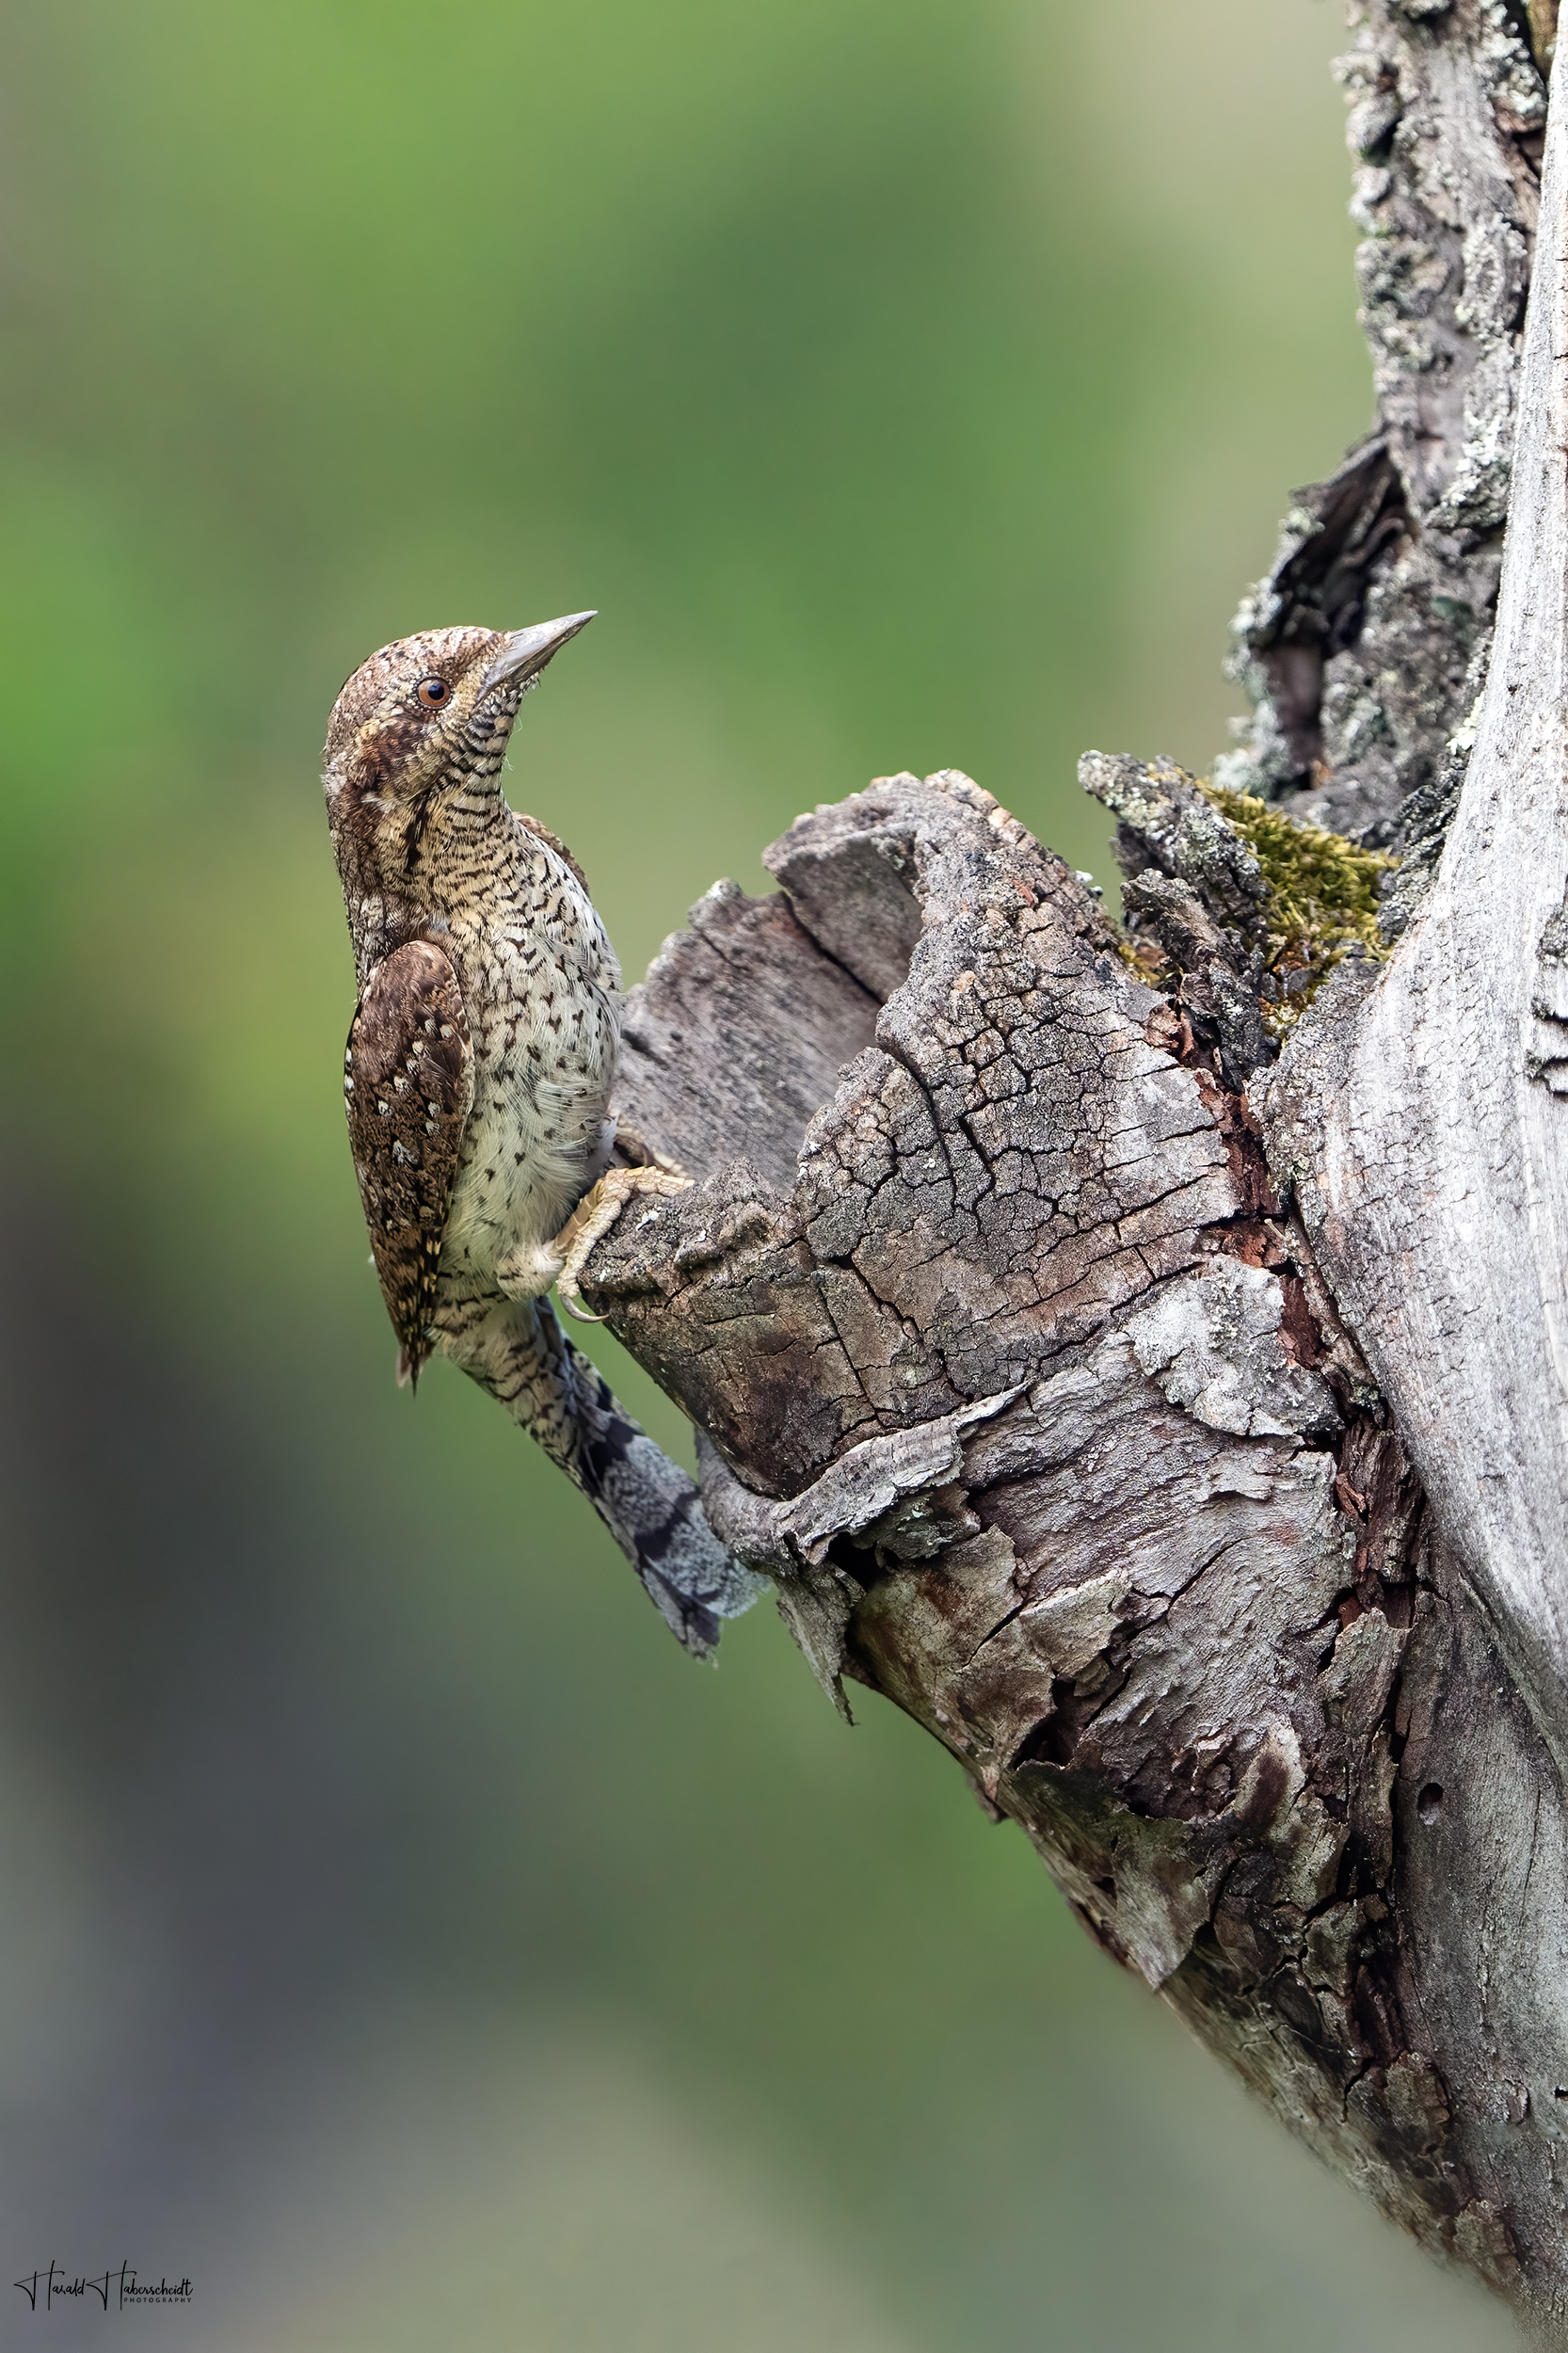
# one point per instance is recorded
(478, 1073)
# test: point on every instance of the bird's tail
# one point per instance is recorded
(520, 1354)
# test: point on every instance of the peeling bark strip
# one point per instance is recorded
(1181, 1437)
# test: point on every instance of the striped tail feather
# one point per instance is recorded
(520, 1356)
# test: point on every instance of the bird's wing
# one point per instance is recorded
(532, 824)
(407, 1085)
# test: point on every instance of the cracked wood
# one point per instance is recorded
(1007, 1370)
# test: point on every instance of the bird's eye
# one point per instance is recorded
(433, 690)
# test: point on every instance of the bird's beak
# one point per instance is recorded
(527, 651)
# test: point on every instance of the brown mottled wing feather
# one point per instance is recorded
(407, 1085)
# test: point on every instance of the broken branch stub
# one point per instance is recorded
(1021, 1382)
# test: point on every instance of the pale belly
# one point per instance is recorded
(541, 987)
(536, 1137)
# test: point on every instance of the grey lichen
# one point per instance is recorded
(1359, 651)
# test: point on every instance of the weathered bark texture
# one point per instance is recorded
(1179, 1435)
(1365, 647)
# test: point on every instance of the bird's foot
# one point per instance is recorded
(593, 1218)
(634, 1147)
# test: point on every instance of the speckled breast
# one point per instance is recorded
(541, 986)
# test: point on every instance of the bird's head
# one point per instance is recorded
(425, 721)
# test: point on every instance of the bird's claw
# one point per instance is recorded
(593, 1218)
(569, 1294)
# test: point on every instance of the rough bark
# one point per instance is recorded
(1364, 649)
(1179, 1434)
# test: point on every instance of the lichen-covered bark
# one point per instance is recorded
(1420, 1115)
(1365, 647)
(1028, 1393)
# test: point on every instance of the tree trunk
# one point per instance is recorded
(1176, 1428)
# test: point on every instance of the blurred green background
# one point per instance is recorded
(404, 1940)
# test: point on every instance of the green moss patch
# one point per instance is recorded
(1322, 899)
